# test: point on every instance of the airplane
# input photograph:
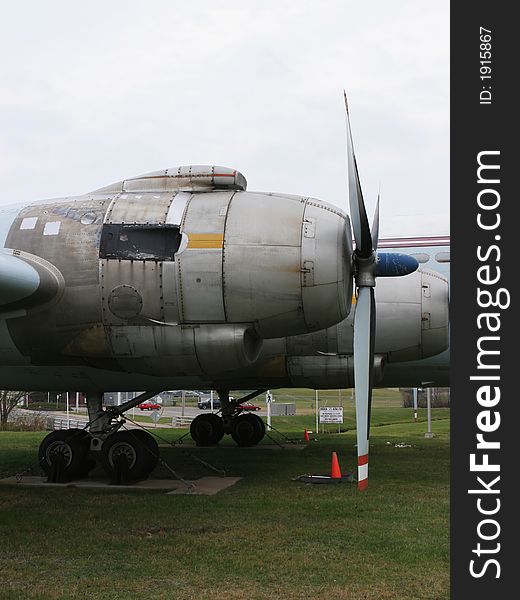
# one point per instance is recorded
(182, 278)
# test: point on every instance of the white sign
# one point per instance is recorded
(156, 415)
(331, 414)
(269, 397)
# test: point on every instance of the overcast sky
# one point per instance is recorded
(93, 92)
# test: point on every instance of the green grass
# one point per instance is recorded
(266, 537)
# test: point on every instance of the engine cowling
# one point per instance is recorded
(412, 324)
(158, 263)
(412, 321)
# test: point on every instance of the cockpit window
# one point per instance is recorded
(139, 242)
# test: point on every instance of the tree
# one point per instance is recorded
(8, 400)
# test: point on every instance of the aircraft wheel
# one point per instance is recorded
(88, 462)
(138, 448)
(150, 442)
(248, 430)
(72, 445)
(207, 430)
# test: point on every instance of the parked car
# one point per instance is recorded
(205, 403)
(249, 406)
(149, 405)
(187, 394)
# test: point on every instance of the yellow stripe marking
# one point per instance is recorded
(205, 240)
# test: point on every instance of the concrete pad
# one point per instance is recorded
(205, 486)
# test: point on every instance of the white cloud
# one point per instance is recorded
(95, 92)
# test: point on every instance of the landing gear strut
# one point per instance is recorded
(246, 429)
(125, 455)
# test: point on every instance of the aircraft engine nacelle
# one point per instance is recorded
(221, 255)
(412, 321)
(327, 371)
(185, 249)
(202, 351)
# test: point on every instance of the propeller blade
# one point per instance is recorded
(364, 336)
(358, 213)
(375, 225)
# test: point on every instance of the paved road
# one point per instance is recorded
(166, 412)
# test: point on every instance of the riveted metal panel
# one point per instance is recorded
(200, 264)
(326, 244)
(134, 207)
(435, 313)
(277, 219)
(73, 249)
(326, 283)
(262, 269)
(207, 213)
(171, 304)
(262, 282)
(320, 371)
(145, 277)
(308, 344)
(177, 208)
(158, 350)
(398, 319)
(132, 341)
(200, 274)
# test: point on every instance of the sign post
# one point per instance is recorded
(429, 433)
(317, 411)
(156, 415)
(268, 401)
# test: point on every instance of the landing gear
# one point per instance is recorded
(133, 452)
(248, 430)
(207, 430)
(125, 455)
(63, 454)
(245, 429)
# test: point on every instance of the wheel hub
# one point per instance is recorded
(122, 449)
(56, 448)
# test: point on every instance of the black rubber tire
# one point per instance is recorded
(73, 444)
(207, 430)
(151, 443)
(248, 430)
(140, 448)
(88, 463)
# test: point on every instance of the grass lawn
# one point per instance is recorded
(266, 537)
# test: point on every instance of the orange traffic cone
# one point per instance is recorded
(335, 472)
(305, 436)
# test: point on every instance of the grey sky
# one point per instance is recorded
(94, 92)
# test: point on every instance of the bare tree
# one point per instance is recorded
(8, 400)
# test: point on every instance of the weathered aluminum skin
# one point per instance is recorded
(248, 267)
(255, 295)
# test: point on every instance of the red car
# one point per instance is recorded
(149, 406)
(249, 406)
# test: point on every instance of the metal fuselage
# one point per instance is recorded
(159, 283)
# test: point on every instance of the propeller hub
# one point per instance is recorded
(365, 270)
